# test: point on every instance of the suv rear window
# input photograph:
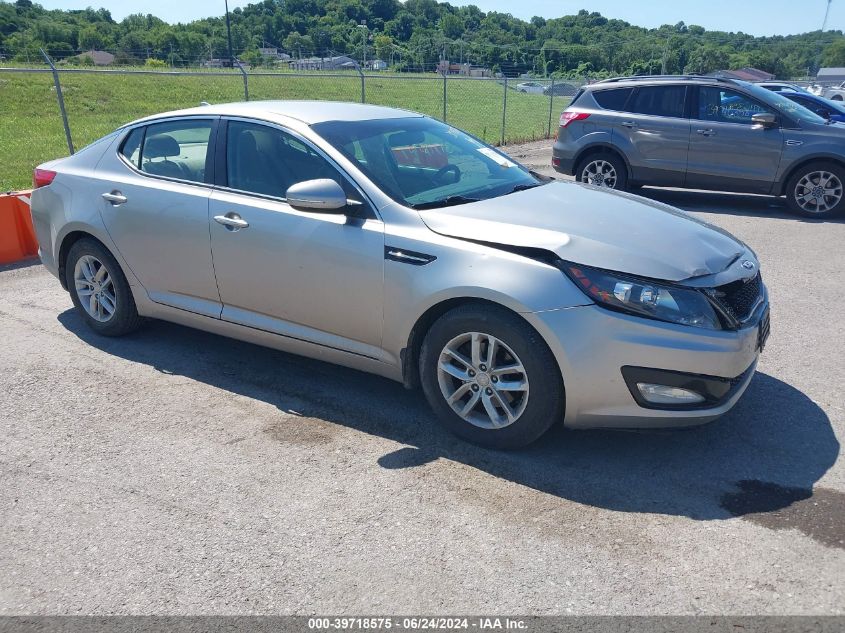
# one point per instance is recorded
(659, 101)
(613, 99)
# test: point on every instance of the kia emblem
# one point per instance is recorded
(748, 265)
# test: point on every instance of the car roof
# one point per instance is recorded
(308, 112)
(640, 80)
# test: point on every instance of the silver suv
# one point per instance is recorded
(703, 133)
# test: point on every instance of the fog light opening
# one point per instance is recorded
(664, 394)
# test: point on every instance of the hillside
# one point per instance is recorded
(413, 35)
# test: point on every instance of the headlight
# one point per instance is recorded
(644, 297)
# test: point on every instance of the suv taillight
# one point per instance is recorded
(568, 117)
(42, 178)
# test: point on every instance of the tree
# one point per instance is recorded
(91, 38)
(298, 44)
(834, 54)
(707, 59)
(452, 26)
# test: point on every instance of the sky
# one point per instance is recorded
(759, 17)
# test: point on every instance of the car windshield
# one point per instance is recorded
(785, 105)
(826, 103)
(423, 163)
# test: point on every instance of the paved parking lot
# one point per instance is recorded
(179, 472)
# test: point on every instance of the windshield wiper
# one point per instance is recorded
(451, 201)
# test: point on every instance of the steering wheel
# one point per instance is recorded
(438, 176)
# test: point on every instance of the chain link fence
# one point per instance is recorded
(32, 128)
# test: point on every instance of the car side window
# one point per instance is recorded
(666, 101)
(614, 99)
(176, 149)
(131, 148)
(727, 106)
(265, 160)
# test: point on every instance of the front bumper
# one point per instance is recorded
(592, 345)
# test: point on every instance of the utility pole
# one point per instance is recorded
(229, 35)
(364, 26)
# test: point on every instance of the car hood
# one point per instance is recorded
(595, 227)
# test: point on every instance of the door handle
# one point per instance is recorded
(629, 124)
(232, 221)
(707, 132)
(115, 198)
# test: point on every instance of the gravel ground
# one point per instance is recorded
(177, 472)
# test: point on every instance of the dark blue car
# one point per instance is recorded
(821, 106)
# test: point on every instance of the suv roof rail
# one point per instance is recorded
(665, 77)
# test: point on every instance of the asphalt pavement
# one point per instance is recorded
(178, 472)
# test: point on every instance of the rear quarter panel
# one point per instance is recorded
(71, 203)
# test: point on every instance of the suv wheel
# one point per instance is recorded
(816, 190)
(99, 289)
(490, 378)
(603, 170)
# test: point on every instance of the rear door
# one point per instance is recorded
(727, 151)
(654, 134)
(154, 196)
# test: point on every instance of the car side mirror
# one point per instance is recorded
(764, 120)
(322, 195)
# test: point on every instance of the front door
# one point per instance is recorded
(316, 277)
(153, 196)
(727, 151)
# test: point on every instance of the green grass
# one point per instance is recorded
(31, 129)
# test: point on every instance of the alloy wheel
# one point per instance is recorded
(818, 192)
(600, 173)
(483, 380)
(95, 288)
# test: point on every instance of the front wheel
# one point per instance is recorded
(490, 378)
(816, 190)
(603, 170)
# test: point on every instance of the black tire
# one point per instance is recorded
(618, 164)
(836, 98)
(125, 318)
(545, 399)
(794, 187)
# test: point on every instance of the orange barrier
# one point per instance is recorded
(17, 237)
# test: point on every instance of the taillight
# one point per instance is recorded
(42, 178)
(568, 117)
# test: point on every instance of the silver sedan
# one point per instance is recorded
(389, 242)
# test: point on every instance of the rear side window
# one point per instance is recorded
(176, 149)
(131, 149)
(659, 101)
(613, 99)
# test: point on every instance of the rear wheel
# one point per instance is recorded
(816, 190)
(99, 290)
(490, 378)
(603, 170)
